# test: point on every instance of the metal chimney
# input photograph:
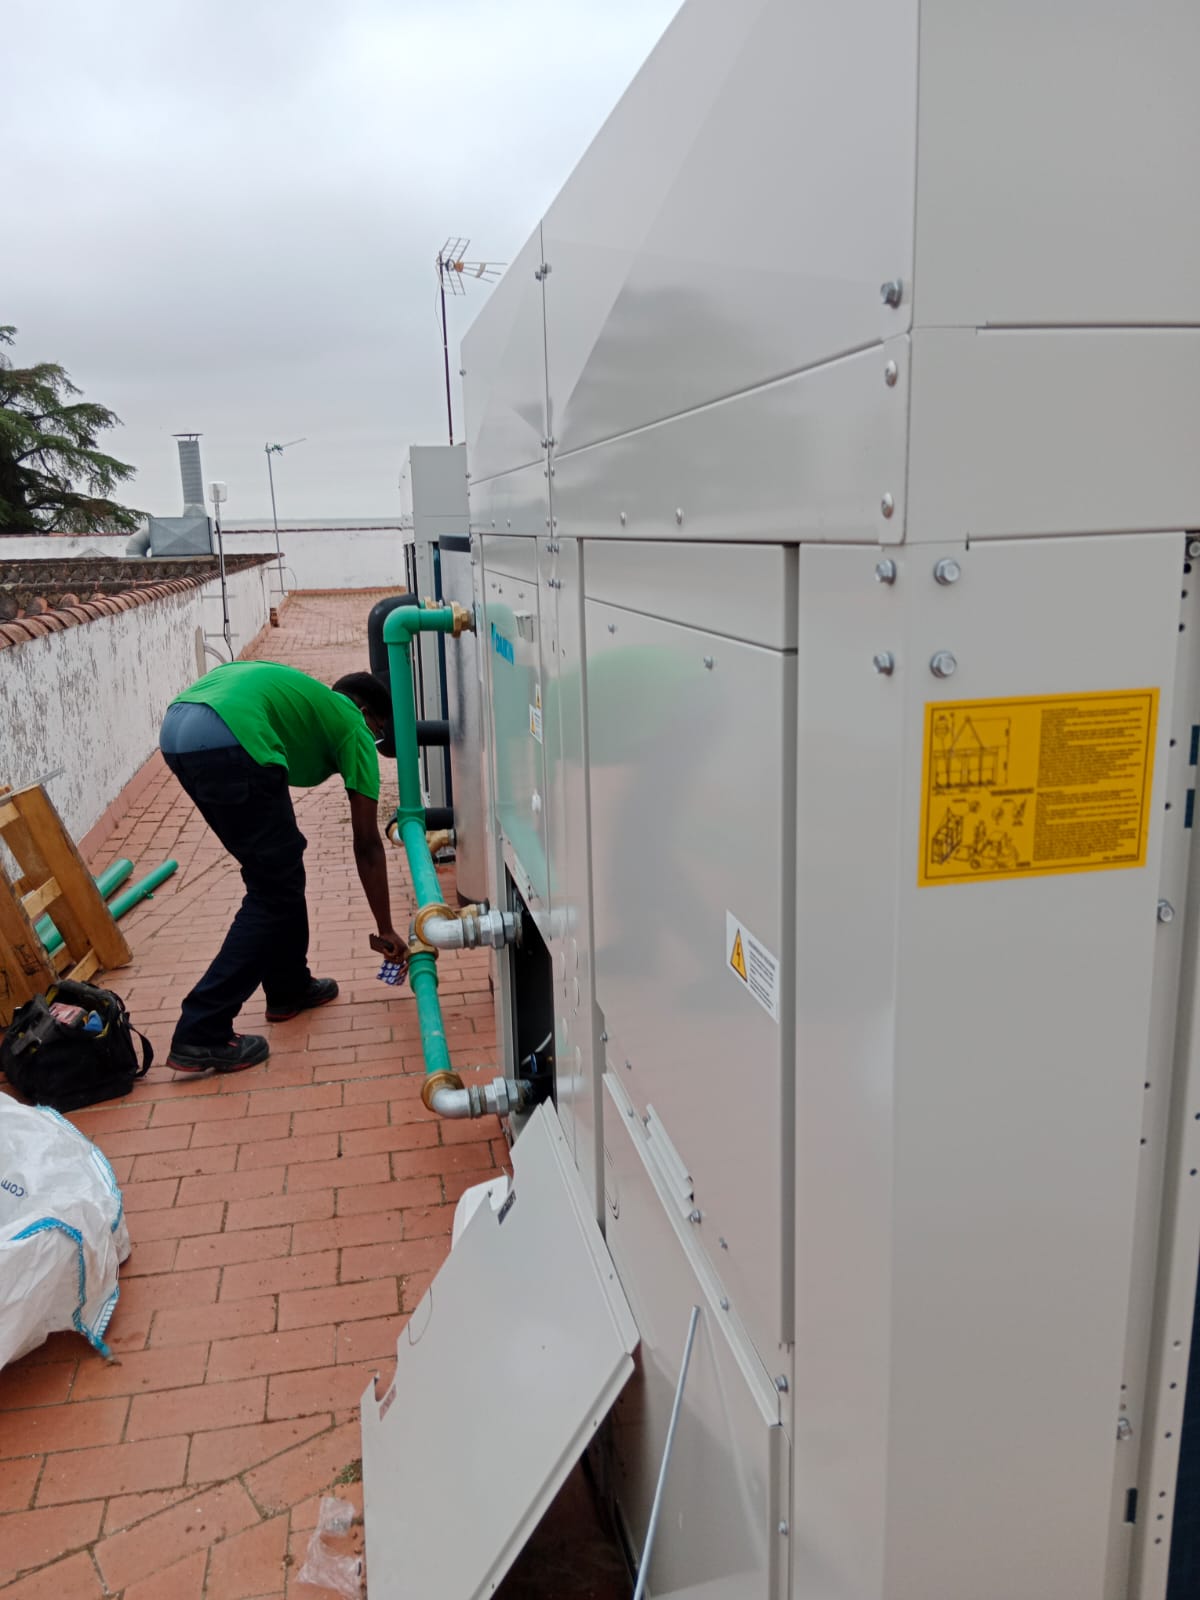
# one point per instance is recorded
(189, 471)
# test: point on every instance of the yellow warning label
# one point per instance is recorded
(737, 960)
(1044, 784)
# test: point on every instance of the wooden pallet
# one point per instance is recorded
(50, 877)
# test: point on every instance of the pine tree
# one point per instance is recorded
(48, 448)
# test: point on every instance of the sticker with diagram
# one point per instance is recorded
(1037, 785)
(535, 714)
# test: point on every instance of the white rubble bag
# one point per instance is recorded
(62, 1231)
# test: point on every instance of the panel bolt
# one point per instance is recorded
(943, 665)
(783, 1530)
(892, 292)
(604, 1037)
(1124, 1428)
(890, 373)
(1193, 549)
(887, 505)
(679, 516)
(724, 1303)
(612, 627)
(781, 1383)
(885, 571)
(947, 570)
(709, 662)
(624, 519)
(723, 1243)
(884, 663)
(694, 1216)
(1166, 911)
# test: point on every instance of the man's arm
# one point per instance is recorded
(370, 857)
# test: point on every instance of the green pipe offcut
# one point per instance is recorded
(111, 878)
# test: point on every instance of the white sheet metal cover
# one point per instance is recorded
(506, 1368)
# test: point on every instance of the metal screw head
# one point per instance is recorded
(612, 627)
(884, 663)
(1166, 911)
(604, 1037)
(693, 1216)
(709, 662)
(624, 519)
(1193, 549)
(783, 1530)
(892, 292)
(723, 1243)
(781, 1383)
(887, 505)
(1124, 1428)
(947, 570)
(885, 571)
(679, 516)
(724, 1303)
(890, 373)
(943, 665)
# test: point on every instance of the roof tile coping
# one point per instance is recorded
(26, 628)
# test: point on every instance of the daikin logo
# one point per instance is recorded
(502, 646)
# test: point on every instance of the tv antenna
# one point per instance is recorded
(454, 271)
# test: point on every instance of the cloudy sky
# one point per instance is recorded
(223, 215)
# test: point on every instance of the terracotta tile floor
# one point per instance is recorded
(284, 1220)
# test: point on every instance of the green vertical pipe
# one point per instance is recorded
(111, 878)
(399, 630)
(401, 627)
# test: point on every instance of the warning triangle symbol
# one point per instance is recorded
(737, 960)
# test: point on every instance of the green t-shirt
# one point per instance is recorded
(284, 718)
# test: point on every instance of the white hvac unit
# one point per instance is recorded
(833, 467)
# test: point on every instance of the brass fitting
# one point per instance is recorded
(440, 912)
(464, 620)
(436, 1081)
(438, 840)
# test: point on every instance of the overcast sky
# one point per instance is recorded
(223, 215)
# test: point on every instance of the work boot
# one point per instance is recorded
(243, 1050)
(320, 992)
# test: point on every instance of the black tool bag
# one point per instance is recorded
(73, 1047)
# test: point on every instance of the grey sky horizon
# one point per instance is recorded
(224, 217)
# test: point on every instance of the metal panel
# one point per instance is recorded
(848, 797)
(1022, 1013)
(438, 476)
(514, 503)
(739, 590)
(512, 640)
(704, 245)
(1057, 175)
(464, 693)
(524, 1326)
(812, 458)
(724, 1516)
(504, 371)
(1049, 432)
(683, 728)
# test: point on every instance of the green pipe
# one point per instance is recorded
(399, 630)
(142, 889)
(111, 878)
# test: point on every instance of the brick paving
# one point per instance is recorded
(285, 1220)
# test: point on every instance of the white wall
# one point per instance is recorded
(313, 558)
(91, 698)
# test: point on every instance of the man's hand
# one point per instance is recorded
(389, 945)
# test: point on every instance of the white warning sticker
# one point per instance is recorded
(535, 714)
(753, 965)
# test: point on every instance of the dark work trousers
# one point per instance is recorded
(249, 809)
